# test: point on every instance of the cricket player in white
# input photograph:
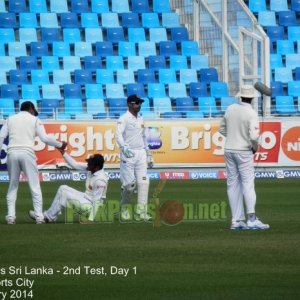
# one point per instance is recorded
(134, 156)
(240, 126)
(84, 202)
(22, 129)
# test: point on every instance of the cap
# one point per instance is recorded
(96, 159)
(134, 99)
(248, 91)
(27, 105)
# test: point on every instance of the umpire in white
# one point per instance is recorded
(22, 128)
(134, 156)
(240, 126)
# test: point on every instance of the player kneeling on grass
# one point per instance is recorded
(84, 202)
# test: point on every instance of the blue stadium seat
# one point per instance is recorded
(125, 76)
(114, 90)
(275, 32)
(187, 76)
(166, 76)
(71, 63)
(171, 115)
(60, 6)
(110, 20)
(8, 63)
(283, 74)
(135, 89)
(227, 101)
(7, 107)
(275, 61)
(136, 62)
(100, 6)
(189, 48)
(49, 35)
(184, 104)
(27, 63)
(293, 33)
(267, 18)
(50, 63)
(198, 89)
(178, 62)
(30, 91)
(161, 6)
(95, 106)
(61, 49)
(89, 20)
(51, 91)
(297, 73)
(218, 89)
(8, 20)
(130, 20)
(117, 106)
(40, 77)
(119, 6)
(115, 34)
(10, 91)
(27, 20)
(287, 18)
(2, 6)
(104, 48)
(69, 20)
(50, 107)
(161, 105)
(39, 49)
(71, 35)
(73, 105)
(79, 6)
(179, 34)
(104, 76)
(156, 90)
(276, 88)
(93, 91)
(27, 35)
(7, 35)
(48, 20)
(146, 48)
(285, 47)
(167, 48)
(61, 77)
(157, 34)
(194, 115)
(83, 116)
(136, 35)
(170, 19)
(72, 91)
(3, 77)
(114, 62)
(156, 62)
(257, 5)
(146, 105)
(93, 35)
(208, 74)
(83, 76)
(82, 49)
(208, 106)
(126, 48)
(293, 88)
(176, 90)
(150, 20)
(199, 61)
(284, 105)
(146, 76)
(292, 60)
(18, 77)
(63, 116)
(279, 5)
(140, 6)
(92, 62)
(37, 6)
(17, 49)
(295, 5)
(16, 6)
(149, 115)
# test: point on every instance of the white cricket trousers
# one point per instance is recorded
(63, 195)
(18, 161)
(240, 183)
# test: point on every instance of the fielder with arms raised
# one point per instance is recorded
(22, 129)
(241, 128)
(134, 156)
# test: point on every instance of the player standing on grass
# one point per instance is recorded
(134, 156)
(84, 202)
(240, 126)
(22, 128)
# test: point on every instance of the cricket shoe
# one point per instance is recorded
(238, 225)
(38, 221)
(10, 221)
(257, 225)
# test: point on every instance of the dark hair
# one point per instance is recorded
(97, 160)
(27, 105)
(246, 100)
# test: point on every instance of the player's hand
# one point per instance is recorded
(150, 160)
(253, 150)
(62, 148)
(127, 152)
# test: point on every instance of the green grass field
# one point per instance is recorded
(192, 260)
